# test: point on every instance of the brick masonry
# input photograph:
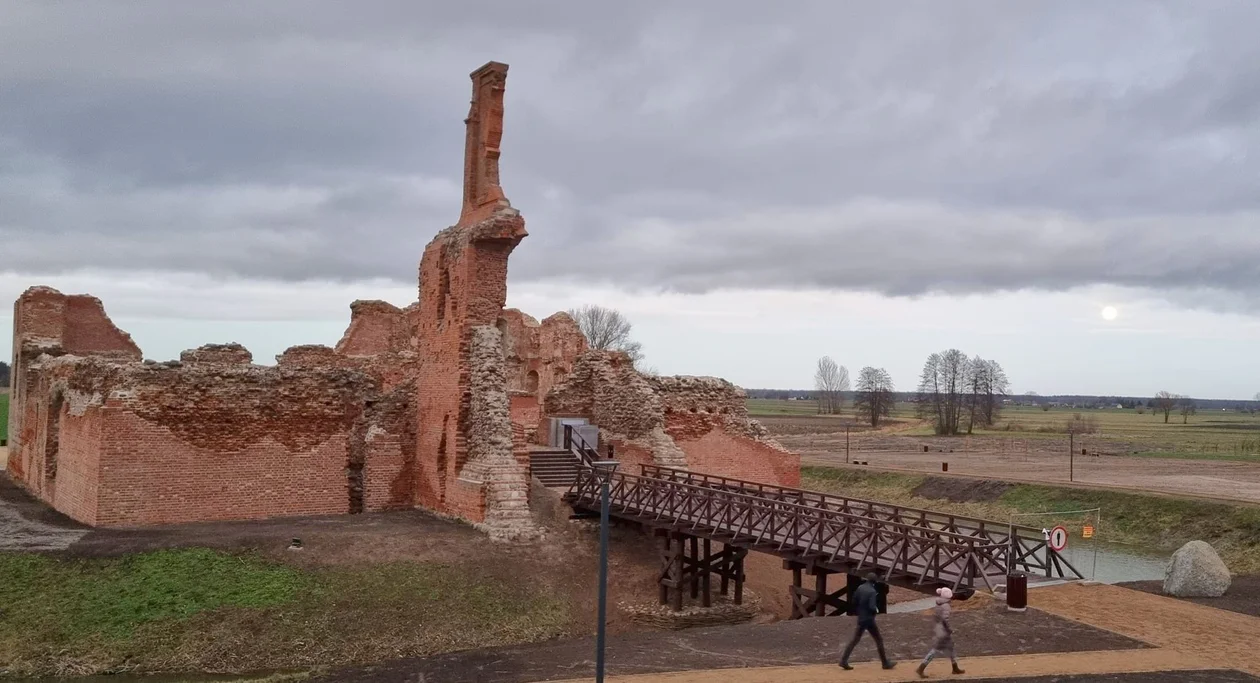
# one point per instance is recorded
(432, 405)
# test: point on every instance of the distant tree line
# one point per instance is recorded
(1072, 401)
(4, 374)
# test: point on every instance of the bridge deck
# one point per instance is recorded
(908, 546)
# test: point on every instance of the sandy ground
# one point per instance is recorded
(1025, 459)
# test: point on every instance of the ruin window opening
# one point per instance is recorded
(444, 291)
(531, 382)
(560, 373)
(52, 438)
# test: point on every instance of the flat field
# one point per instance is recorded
(1213, 454)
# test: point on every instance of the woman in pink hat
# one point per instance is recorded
(944, 634)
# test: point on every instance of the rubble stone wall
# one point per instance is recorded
(700, 423)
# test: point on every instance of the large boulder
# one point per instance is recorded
(1196, 571)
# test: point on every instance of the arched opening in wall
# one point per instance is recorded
(531, 382)
(52, 438)
(559, 374)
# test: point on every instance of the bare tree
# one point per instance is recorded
(607, 329)
(874, 397)
(831, 381)
(1164, 402)
(942, 386)
(1188, 408)
(996, 388)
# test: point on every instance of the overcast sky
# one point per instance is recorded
(756, 184)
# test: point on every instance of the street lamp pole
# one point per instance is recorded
(603, 581)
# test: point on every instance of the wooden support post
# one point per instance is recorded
(676, 570)
(796, 592)
(704, 585)
(739, 575)
(820, 592)
(665, 549)
(695, 567)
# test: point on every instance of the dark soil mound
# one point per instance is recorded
(961, 490)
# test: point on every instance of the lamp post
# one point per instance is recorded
(603, 568)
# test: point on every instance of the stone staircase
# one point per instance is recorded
(554, 467)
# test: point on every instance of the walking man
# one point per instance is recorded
(944, 633)
(866, 605)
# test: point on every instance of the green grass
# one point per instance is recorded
(774, 406)
(111, 599)
(203, 610)
(1154, 522)
(4, 415)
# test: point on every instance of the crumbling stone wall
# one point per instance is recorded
(492, 462)
(700, 423)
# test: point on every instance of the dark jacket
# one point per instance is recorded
(866, 602)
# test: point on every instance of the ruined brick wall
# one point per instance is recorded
(537, 357)
(212, 437)
(381, 441)
(217, 440)
(47, 322)
(376, 327)
(701, 423)
(708, 418)
(463, 285)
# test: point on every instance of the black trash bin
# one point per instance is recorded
(1017, 591)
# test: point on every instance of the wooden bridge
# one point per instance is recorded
(815, 533)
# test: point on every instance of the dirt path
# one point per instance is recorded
(977, 668)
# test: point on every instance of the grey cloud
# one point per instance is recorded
(893, 147)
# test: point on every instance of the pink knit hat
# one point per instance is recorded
(945, 593)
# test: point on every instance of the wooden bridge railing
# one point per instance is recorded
(1024, 548)
(834, 538)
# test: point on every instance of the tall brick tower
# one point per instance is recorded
(466, 461)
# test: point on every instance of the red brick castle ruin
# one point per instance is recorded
(438, 405)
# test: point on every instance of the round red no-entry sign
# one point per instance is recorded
(1058, 538)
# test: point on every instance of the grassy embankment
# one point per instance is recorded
(203, 610)
(1209, 435)
(1148, 521)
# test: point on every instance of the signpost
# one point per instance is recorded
(1087, 532)
(1057, 538)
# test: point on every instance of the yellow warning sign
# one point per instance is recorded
(1088, 531)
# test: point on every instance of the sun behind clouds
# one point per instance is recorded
(1109, 313)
